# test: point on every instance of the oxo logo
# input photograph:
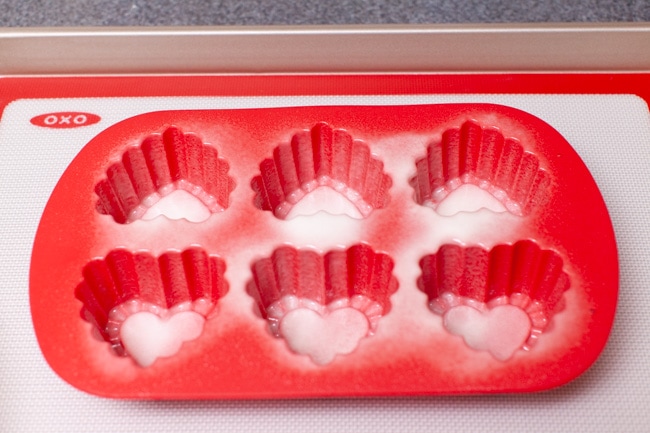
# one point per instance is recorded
(65, 119)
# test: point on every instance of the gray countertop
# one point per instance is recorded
(32, 13)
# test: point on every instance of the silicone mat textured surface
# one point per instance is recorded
(612, 135)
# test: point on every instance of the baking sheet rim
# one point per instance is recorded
(463, 48)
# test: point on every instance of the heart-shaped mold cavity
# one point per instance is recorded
(165, 333)
(321, 161)
(501, 330)
(171, 295)
(514, 290)
(171, 165)
(323, 335)
(485, 159)
(335, 299)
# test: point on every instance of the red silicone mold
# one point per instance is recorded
(366, 250)
(178, 287)
(161, 164)
(510, 287)
(322, 157)
(301, 292)
(485, 158)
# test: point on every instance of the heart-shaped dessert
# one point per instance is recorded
(501, 330)
(147, 336)
(322, 337)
